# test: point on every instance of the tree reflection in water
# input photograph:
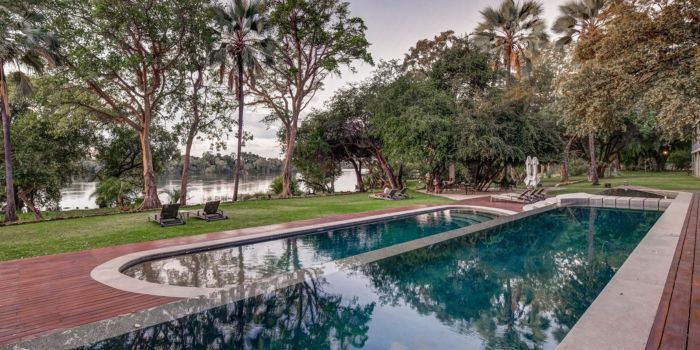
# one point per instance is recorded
(302, 316)
(522, 285)
(517, 286)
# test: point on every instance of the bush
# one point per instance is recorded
(578, 167)
(276, 186)
(680, 159)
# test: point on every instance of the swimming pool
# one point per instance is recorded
(523, 284)
(249, 262)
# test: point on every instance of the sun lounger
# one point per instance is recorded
(524, 197)
(539, 194)
(169, 216)
(211, 212)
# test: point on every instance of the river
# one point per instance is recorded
(79, 194)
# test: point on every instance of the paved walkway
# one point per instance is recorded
(52, 293)
(677, 323)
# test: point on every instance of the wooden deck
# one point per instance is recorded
(677, 323)
(52, 293)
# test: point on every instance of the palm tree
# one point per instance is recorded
(582, 21)
(242, 26)
(24, 46)
(513, 32)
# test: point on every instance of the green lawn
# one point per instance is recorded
(675, 181)
(50, 237)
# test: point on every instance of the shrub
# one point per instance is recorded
(680, 159)
(578, 167)
(276, 186)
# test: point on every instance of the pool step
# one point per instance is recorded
(469, 218)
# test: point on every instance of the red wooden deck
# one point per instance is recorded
(677, 323)
(52, 293)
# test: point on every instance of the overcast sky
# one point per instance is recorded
(393, 26)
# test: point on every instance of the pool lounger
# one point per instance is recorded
(211, 212)
(169, 216)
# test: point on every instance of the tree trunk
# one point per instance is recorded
(239, 61)
(430, 182)
(507, 55)
(186, 170)
(565, 161)
(388, 171)
(594, 167)
(194, 128)
(291, 137)
(30, 204)
(357, 165)
(150, 188)
(591, 233)
(10, 204)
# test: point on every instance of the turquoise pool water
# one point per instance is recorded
(241, 264)
(521, 285)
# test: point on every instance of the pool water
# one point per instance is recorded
(246, 263)
(521, 285)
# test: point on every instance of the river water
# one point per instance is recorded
(79, 194)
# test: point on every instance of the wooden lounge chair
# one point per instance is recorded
(390, 195)
(211, 212)
(538, 194)
(169, 216)
(525, 197)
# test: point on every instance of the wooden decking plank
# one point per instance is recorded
(678, 317)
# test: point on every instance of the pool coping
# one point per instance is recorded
(110, 272)
(97, 331)
(594, 333)
(623, 313)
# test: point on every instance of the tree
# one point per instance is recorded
(203, 108)
(313, 39)
(202, 105)
(242, 25)
(583, 21)
(49, 146)
(317, 158)
(512, 32)
(118, 153)
(24, 45)
(356, 127)
(125, 55)
(656, 64)
(416, 122)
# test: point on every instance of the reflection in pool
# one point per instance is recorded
(519, 285)
(240, 264)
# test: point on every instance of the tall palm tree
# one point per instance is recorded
(582, 21)
(513, 32)
(23, 46)
(241, 26)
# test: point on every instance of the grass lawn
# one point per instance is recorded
(668, 180)
(50, 237)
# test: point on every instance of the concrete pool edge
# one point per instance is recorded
(110, 272)
(100, 330)
(97, 331)
(623, 313)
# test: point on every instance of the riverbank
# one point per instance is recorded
(59, 236)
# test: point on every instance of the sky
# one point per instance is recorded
(393, 26)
